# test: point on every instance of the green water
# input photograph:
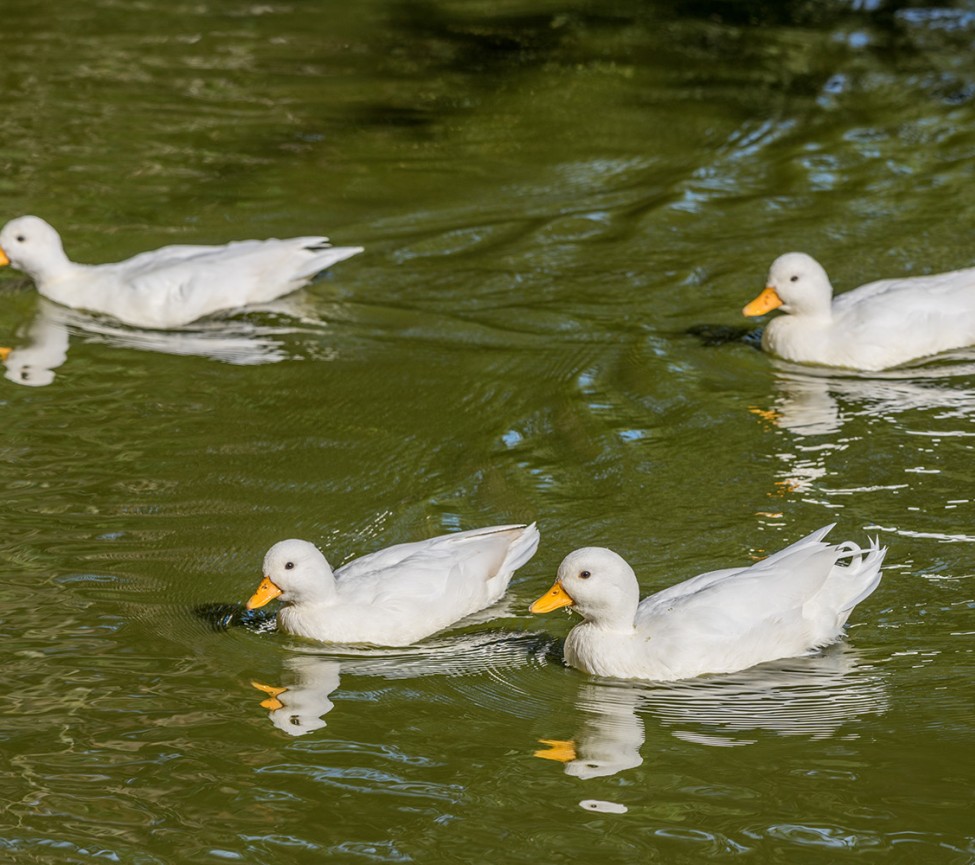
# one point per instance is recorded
(549, 195)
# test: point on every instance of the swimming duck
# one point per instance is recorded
(873, 327)
(171, 286)
(786, 605)
(395, 596)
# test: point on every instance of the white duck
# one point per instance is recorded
(873, 327)
(395, 596)
(786, 605)
(171, 286)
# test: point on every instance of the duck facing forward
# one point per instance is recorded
(171, 286)
(873, 327)
(720, 622)
(395, 596)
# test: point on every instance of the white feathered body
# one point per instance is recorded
(881, 324)
(404, 593)
(171, 286)
(728, 620)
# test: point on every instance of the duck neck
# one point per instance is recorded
(52, 269)
(616, 618)
(816, 305)
(321, 594)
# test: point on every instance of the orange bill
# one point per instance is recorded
(266, 591)
(554, 598)
(767, 301)
(3, 258)
(5, 352)
(272, 702)
(563, 750)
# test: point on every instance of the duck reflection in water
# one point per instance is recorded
(610, 738)
(814, 696)
(301, 707)
(812, 404)
(300, 704)
(46, 340)
(813, 408)
(44, 350)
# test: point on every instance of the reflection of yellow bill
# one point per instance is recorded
(563, 750)
(766, 414)
(266, 591)
(272, 702)
(4, 352)
(554, 598)
(767, 301)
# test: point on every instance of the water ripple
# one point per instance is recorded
(310, 680)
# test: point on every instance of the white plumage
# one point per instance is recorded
(791, 602)
(873, 327)
(171, 286)
(395, 596)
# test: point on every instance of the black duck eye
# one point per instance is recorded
(793, 279)
(21, 238)
(585, 575)
(288, 566)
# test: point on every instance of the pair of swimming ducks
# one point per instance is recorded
(788, 604)
(785, 605)
(876, 326)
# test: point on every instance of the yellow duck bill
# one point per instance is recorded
(553, 599)
(767, 301)
(266, 592)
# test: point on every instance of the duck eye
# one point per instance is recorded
(793, 279)
(289, 566)
(585, 575)
(21, 238)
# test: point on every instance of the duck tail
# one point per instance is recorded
(323, 255)
(862, 572)
(521, 550)
(816, 540)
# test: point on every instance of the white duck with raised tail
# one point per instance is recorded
(395, 596)
(873, 327)
(720, 622)
(171, 286)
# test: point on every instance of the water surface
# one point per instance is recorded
(550, 196)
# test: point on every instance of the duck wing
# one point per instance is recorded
(783, 606)
(909, 292)
(459, 564)
(179, 284)
(892, 321)
(695, 585)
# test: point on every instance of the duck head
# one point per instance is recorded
(796, 283)
(596, 583)
(295, 571)
(33, 246)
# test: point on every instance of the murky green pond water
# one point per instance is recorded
(549, 195)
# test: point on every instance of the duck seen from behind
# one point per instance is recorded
(171, 286)
(395, 596)
(723, 621)
(873, 327)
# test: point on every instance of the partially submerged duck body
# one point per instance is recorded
(876, 326)
(396, 596)
(720, 622)
(171, 286)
